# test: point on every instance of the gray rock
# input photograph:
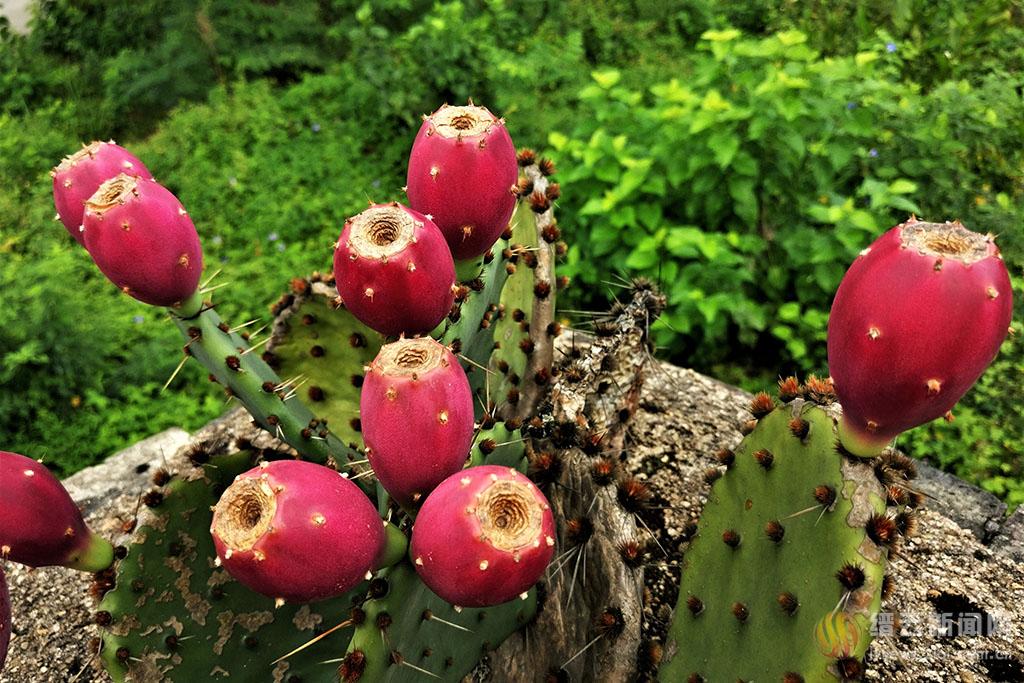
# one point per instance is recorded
(978, 511)
(129, 469)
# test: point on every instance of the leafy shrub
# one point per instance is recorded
(748, 185)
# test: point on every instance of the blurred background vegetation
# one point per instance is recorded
(739, 152)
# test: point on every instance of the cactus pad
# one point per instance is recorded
(327, 348)
(782, 576)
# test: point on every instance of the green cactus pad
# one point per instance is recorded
(244, 374)
(174, 616)
(411, 631)
(756, 601)
(512, 331)
(328, 348)
(468, 335)
(499, 446)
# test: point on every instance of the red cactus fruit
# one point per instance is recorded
(39, 523)
(483, 536)
(79, 175)
(143, 240)
(296, 531)
(462, 172)
(918, 317)
(416, 410)
(5, 619)
(394, 271)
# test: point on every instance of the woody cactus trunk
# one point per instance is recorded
(429, 472)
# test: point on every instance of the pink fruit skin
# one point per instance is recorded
(147, 246)
(79, 176)
(324, 535)
(5, 619)
(409, 292)
(899, 322)
(450, 555)
(417, 431)
(463, 183)
(39, 523)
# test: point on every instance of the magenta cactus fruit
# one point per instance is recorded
(394, 271)
(5, 619)
(39, 523)
(484, 536)
(917, 318)
(296, 531)
(416, 412)
(462, 171)
(143, 240)
(79, 175)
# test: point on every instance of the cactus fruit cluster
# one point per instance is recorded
(390, 523)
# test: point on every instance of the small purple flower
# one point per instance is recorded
(138, 319)
(890, 47)
(280, 246)
(315, 128)
(272, 237)
(872, 152)
(851, 105)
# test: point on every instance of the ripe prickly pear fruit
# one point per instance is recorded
(39, 523)
(296, 531)
(918, 317)
(79, 175)
(394, 271)
(5, 619)
(416, 411)
(484, 536)
(462, 171)
(143, 240)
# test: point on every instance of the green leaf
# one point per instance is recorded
(723, 36)
(902, 186)
(724, 144)
(606, 79)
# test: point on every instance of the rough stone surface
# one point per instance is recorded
(978, 511)
(672, 426)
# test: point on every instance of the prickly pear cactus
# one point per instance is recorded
(784, 575)
(172, 614)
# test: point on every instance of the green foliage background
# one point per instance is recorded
(740, 153)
